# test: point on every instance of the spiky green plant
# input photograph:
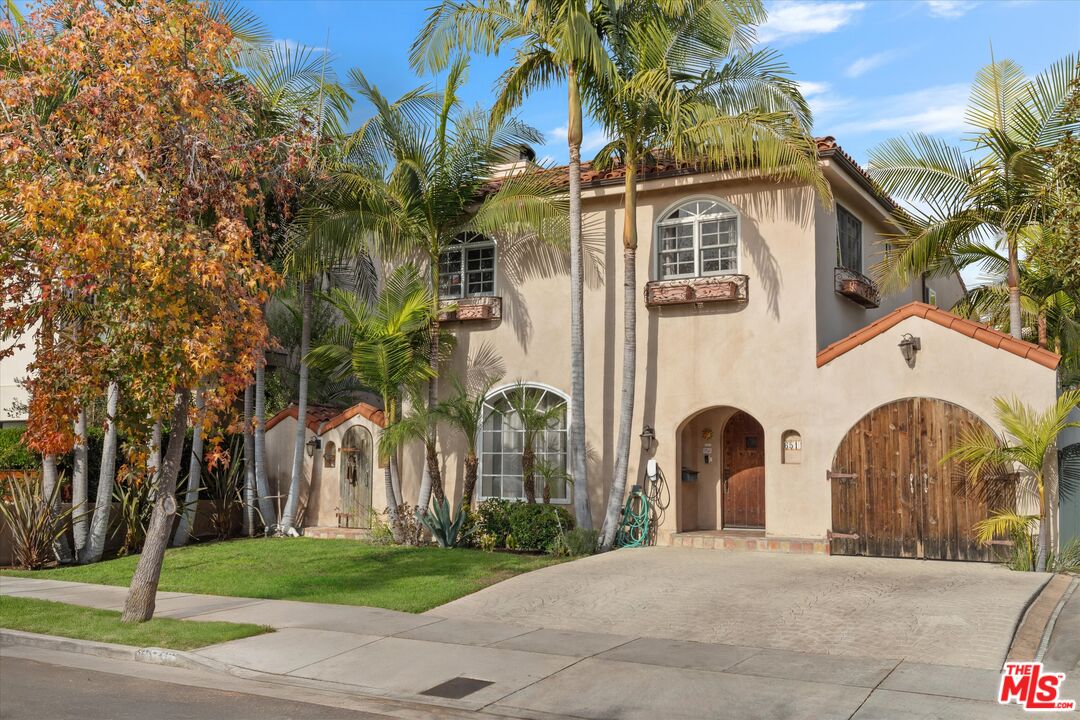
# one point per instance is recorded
(1019, 460)
(34, 519)
(447, 531)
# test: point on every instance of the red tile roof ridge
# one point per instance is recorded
(982, 333)
(321, 418)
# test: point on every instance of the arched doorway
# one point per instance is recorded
(893, 492)
(356, 469)
(722, 479)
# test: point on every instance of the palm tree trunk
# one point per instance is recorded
(629, 369)
(249, 461)
(79, 486)
(391, 504)
(191, 495)
(295, 477)
(99, 523)
(262, 483)
(1044, 339)
(1044, 527)
(471, 463)
(1016, 322)
(578, 463)
(139, 605)
(432, 459)
(528, 462)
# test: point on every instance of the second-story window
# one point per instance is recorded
(467, 267)
(848, 240)
(698, 238)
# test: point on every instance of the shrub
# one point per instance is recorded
(445, 529)
(493, 518)
(35, 522)
(576, 542)
(13, 454)
(537, 527)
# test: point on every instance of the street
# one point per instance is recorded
(34, 690)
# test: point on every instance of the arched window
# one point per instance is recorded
(467, 267)
(502, 441)
(697, 238)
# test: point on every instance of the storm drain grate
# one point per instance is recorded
(457, 688)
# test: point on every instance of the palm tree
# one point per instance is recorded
(99, 522)
(994, 463)
(417, 178)
(685, 82)
(464, 412)
(385, 345)
(554, 41)
(989, 192)
(526, 407)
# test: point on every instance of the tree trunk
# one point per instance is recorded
(1016, 321)
(1044, 527)
(578, 460)
(391, 505)
(191, 495)
(431, 454)
(49, 478)
(153, 459)
(431, 451)
(1044, 340)
(249, 461)
(471, 463)
(528, 462)
(395, 480)
(99, 523)
(262, 483)
(143, 593)
(422, 501)
(629, 369)
(139, 605)
(297, 474)
(79, 486)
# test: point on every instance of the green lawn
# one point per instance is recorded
(83, 623)
(331, 571)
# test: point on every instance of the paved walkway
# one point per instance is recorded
(535, 667)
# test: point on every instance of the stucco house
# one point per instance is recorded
(788, 405)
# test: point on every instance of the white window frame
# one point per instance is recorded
(479, 242)
(727, 213)
(488, 408)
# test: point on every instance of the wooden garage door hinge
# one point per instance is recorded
(830, 475)
(846, 536)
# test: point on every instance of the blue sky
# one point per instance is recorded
(871, 69)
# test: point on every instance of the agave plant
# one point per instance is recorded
(446, 531)
(35, 520)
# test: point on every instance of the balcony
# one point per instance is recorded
(856, 287)
(481, 307)
(697, 291)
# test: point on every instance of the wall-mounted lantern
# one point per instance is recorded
(648, 437)
(312, 445)
(909, 345)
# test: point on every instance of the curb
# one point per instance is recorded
(151, 655)
(1032, 624)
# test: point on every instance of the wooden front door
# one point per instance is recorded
(356, 468)
(744, 473)
(892, 493)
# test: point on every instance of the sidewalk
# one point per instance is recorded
(527, 671)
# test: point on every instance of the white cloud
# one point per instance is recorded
(591, 140)
(292, 46)
(798, 18)
(865, 64)
(938, 109)
(821, 98)
(810, 88)
(949, 8)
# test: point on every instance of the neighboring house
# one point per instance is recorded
(13, 398)
(775, 389)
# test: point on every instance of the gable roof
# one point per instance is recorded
(974, 330)
(321, 418)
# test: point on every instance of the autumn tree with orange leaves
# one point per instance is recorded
(132, 181)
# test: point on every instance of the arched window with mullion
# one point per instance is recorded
(502, 441)
(698, 238)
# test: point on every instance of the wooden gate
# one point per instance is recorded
(892, 496)
(356, 469)
(744, 472)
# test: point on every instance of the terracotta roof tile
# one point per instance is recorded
(321, 418)
(983, 334)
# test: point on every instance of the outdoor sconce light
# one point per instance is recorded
(312, 445)
(909, 345)
(648, 437)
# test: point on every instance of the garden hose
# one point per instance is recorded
(634, 527)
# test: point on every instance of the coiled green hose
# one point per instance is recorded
(634, 526)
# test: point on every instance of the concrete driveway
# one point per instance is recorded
(921, 611)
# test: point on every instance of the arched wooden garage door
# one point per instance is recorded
(892, 496)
